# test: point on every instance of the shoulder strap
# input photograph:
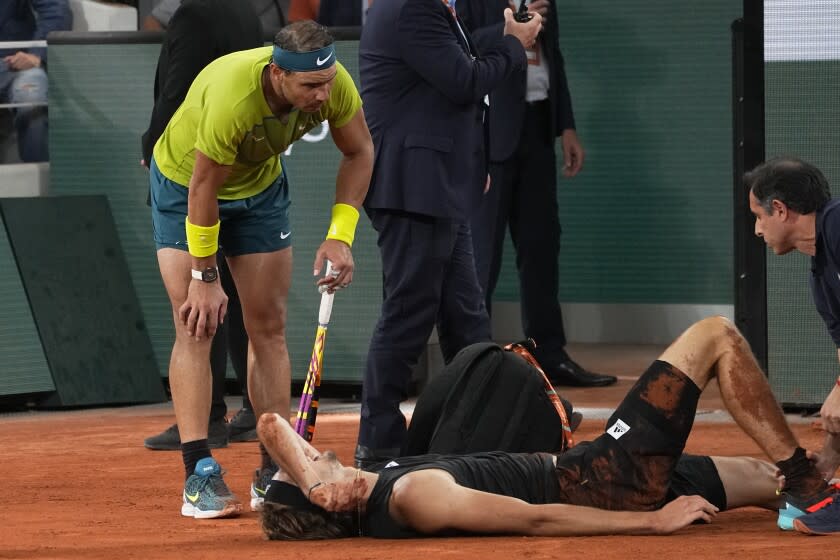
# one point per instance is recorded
(521, 349)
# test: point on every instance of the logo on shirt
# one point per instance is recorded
(618, 429)
(392, 464)
(285, 234)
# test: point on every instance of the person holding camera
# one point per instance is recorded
(530, 111)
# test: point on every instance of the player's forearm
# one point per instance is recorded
(563, 520)
(203, 206)
(353, 179)
(291, 452)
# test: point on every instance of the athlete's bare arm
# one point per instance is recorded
(352, 182)
(321, 478)
(430, 501)
(206, 303)
(356, 165)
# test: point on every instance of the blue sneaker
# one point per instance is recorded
(206, 495)
(796, 507)
(824, 521)
(787, 515)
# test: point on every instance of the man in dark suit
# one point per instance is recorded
(529, 111)
(424, 85)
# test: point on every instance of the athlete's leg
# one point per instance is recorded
(713, 348)
(205, 493)
(257, 242)
(189, 364)
(263, 280)
(748, 482)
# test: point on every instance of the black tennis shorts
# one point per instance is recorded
(637, 464)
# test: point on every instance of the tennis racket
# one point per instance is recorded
(308, 407)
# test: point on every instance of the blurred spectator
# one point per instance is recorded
(304, 9)
(343, 12)
(272, 14)
(23, 77)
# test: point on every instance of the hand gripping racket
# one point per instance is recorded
(308, 407)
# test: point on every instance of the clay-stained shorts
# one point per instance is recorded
(637, 464)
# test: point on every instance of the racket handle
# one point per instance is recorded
(325, 310)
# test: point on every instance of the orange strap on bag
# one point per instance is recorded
(519, 348)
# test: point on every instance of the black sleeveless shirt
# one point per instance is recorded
(527, 476)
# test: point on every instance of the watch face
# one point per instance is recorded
(209, 274)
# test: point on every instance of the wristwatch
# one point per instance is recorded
(209, 274)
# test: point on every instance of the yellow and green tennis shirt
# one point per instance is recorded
(226, 117)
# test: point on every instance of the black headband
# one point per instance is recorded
(289, 495)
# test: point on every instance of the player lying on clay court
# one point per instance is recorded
(632, 479)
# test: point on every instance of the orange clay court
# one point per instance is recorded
(80, 485)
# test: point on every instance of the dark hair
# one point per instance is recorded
(303, 36)
(283, 523)
(797, 184)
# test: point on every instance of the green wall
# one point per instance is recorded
(649, 220)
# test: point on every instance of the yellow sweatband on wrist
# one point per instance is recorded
(343, 223)
(202, 241)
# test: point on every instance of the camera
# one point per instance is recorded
(522, 15)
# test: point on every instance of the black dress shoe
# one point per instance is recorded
(565, 372)
(367, 457)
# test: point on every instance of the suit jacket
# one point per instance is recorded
(485, 20)
(424, 103)
(340, 13)
(199, 32)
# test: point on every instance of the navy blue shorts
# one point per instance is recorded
(258, 224)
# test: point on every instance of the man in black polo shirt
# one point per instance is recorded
(635, 465)
(793, 209)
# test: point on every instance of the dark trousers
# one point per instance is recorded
(523, 197)
(428, 279)
(230, 338)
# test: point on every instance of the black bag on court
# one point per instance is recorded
(489, 399)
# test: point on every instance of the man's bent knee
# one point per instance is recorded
(30, 86)
(716, 324)
(267, 332)
(701, 345)
(716, 331)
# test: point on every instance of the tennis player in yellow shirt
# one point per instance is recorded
(217, 180)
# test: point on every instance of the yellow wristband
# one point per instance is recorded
(202, 241)
(343, 223)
